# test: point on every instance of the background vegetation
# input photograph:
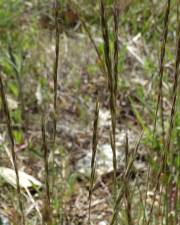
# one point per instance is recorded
(90, 111)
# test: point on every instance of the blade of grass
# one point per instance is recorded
(93, 44)
(10, 133)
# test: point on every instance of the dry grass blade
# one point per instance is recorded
(87, 30)
(47, 217)
(93, 160)
(10, 133)
(161, 71)
(126, 177)
(94, 45)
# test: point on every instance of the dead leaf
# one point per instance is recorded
(25, 180)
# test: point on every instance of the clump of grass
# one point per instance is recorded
(160, 95)
(166, 152)
(10, 133)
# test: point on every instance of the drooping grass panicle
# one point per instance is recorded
(93, 159)
(161, 72)
(11, 137)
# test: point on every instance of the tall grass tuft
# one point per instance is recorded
(10, 133)
(93, 159)
(166, 153)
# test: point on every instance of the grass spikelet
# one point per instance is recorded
(93, 160)
(161, 71)
(127, 189)
(111, 87)
(55, 72)
(116, 47)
